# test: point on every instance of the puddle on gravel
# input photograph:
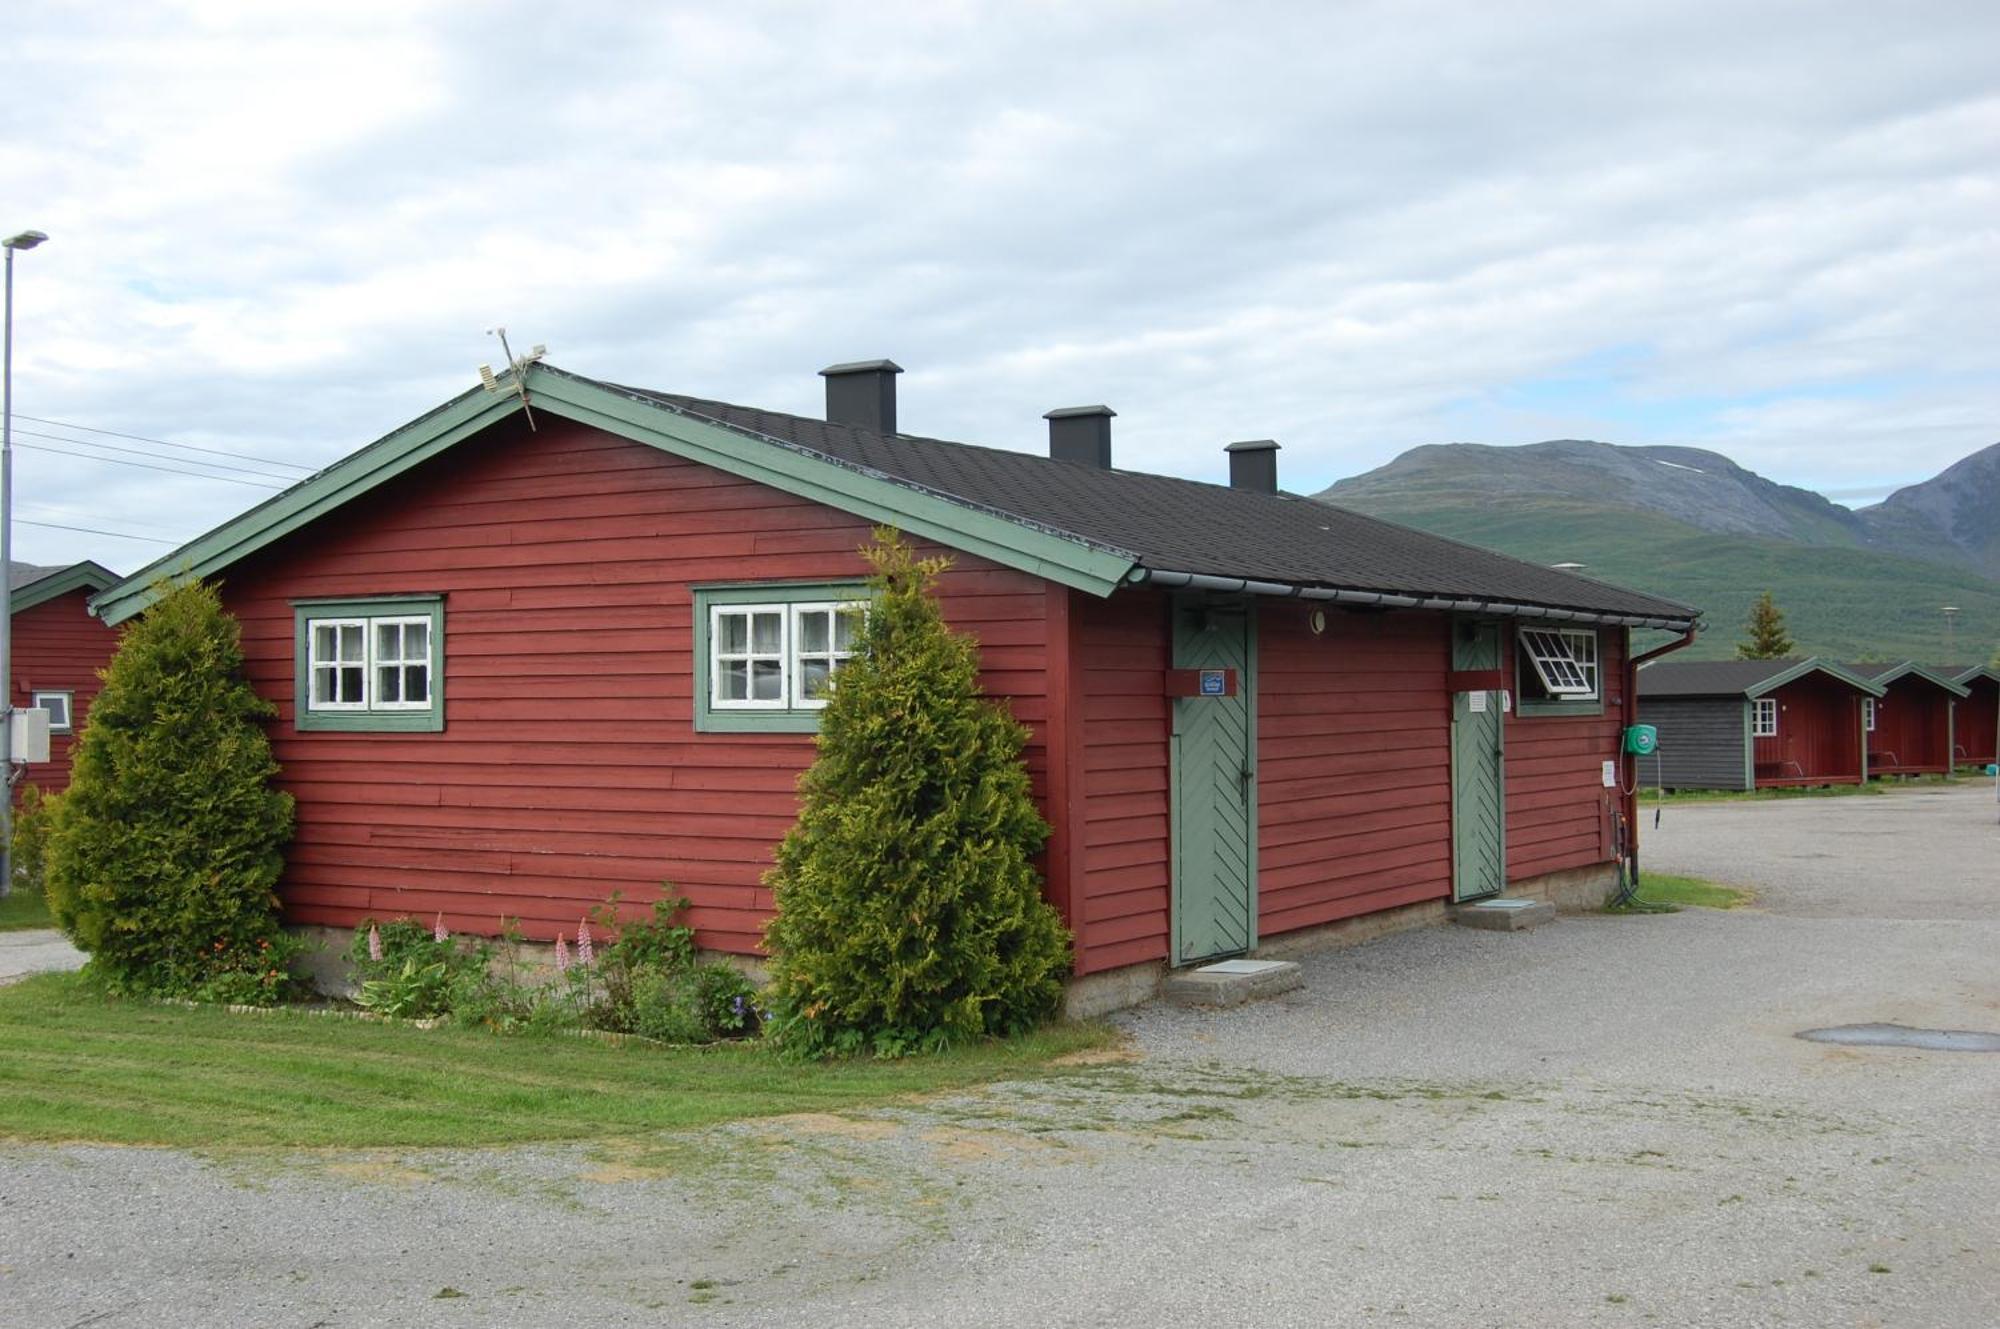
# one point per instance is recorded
(1902, 1036)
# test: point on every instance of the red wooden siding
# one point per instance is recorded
(1819, 735)
(59, 647)
(1976, 724)
(1353, 765)
(1912, 725)
(569, 767)
(1122, 647)
(1559, 814)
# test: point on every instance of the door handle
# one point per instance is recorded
(1246, 776)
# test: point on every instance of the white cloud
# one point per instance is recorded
(1356, 228)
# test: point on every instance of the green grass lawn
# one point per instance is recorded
(24, 909)
(1664, 889)
(75, 1065)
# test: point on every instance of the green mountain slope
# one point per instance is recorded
(1839, 600)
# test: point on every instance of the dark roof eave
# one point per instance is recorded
(1401, 600)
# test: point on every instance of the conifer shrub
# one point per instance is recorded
(32, 819)
(164, 860)
(909, 910)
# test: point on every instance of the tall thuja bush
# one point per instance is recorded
(165, 856)
(910, 912)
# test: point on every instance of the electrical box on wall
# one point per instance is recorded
(28, 735)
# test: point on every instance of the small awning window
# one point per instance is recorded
(1555, 664)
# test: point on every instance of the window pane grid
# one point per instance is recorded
(747, 664)
(1556, 664)
(57, 705)
(369, 664)
(1767, 718)
(823, 637)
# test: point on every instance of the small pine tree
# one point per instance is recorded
(164, 858)
(1768, 639)
(909, 911)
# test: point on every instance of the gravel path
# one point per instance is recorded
(32, 950)
(1602, 1122)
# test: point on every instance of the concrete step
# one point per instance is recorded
(1503, 914)
(1231, 982)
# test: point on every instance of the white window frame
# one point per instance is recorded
(1764, 717)
(370, 662)
(789, 655)
(749, 656)
(1551, 653)
(68, 705)
(1868, 715)
(796, 654)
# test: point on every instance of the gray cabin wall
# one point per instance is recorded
(1703, 742)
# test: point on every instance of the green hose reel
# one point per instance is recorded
(1642, 739)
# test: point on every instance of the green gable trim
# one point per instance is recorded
(1812, 666)
(1064, 559)
(427, 721)
(310, 499)
(1067, 560)
(709, 720)
(1910, 669)
(1749, 743)
(84, 576)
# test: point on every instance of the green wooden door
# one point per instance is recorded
(1478, 774)
(1214, 787)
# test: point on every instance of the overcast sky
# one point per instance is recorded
(1768, 229)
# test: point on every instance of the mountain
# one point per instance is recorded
(1958, 510)
(1693, 525)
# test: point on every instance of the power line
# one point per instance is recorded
(92, 530)
(147, 466)
(141, 438)
(140, 452)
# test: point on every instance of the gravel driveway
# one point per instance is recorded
(1603, 1122)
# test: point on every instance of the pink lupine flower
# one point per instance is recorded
(374, 942)
(438, 933)
(584, 951)
(562, 954)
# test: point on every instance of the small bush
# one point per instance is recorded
(164, 861)
(910, 913)
(413, 972)
(32, 820)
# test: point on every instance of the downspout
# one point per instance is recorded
(1631, 716)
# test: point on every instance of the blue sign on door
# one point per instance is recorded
(1214, 683)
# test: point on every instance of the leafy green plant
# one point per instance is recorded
(910, 913)
(34, 815)
(405, 969)
(164, 861)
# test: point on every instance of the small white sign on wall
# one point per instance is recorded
(1610, 775)
(1477, 700)
(1506, 701)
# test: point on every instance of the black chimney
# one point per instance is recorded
(1254, 466)
(1081, 433)
(862, 394)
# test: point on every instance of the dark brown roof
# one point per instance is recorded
(1739, 678)
(1172, 525)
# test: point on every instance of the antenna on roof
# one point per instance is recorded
(518, 366)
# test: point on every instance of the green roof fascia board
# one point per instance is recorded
(1009, 542)
(1910, 667)
(1812, 666)
(278, 516)
(1966, 677)
(84, 576)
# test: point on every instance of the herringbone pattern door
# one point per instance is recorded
(1214, 790)
(1478, 788)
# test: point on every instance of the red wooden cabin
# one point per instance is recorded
(58, 647)
(1756, 724)
(1975, 722)
(520, 667)
(1910, 727)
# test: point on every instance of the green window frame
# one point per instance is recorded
(372, 671)
(767, 643)
(1585, 651)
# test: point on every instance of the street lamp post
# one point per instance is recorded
(25, 240)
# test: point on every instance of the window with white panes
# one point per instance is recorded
(768, 656)
(1868, 714)
(371, 664)
(1766, 725)
(57, 704)
(1557, 665)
